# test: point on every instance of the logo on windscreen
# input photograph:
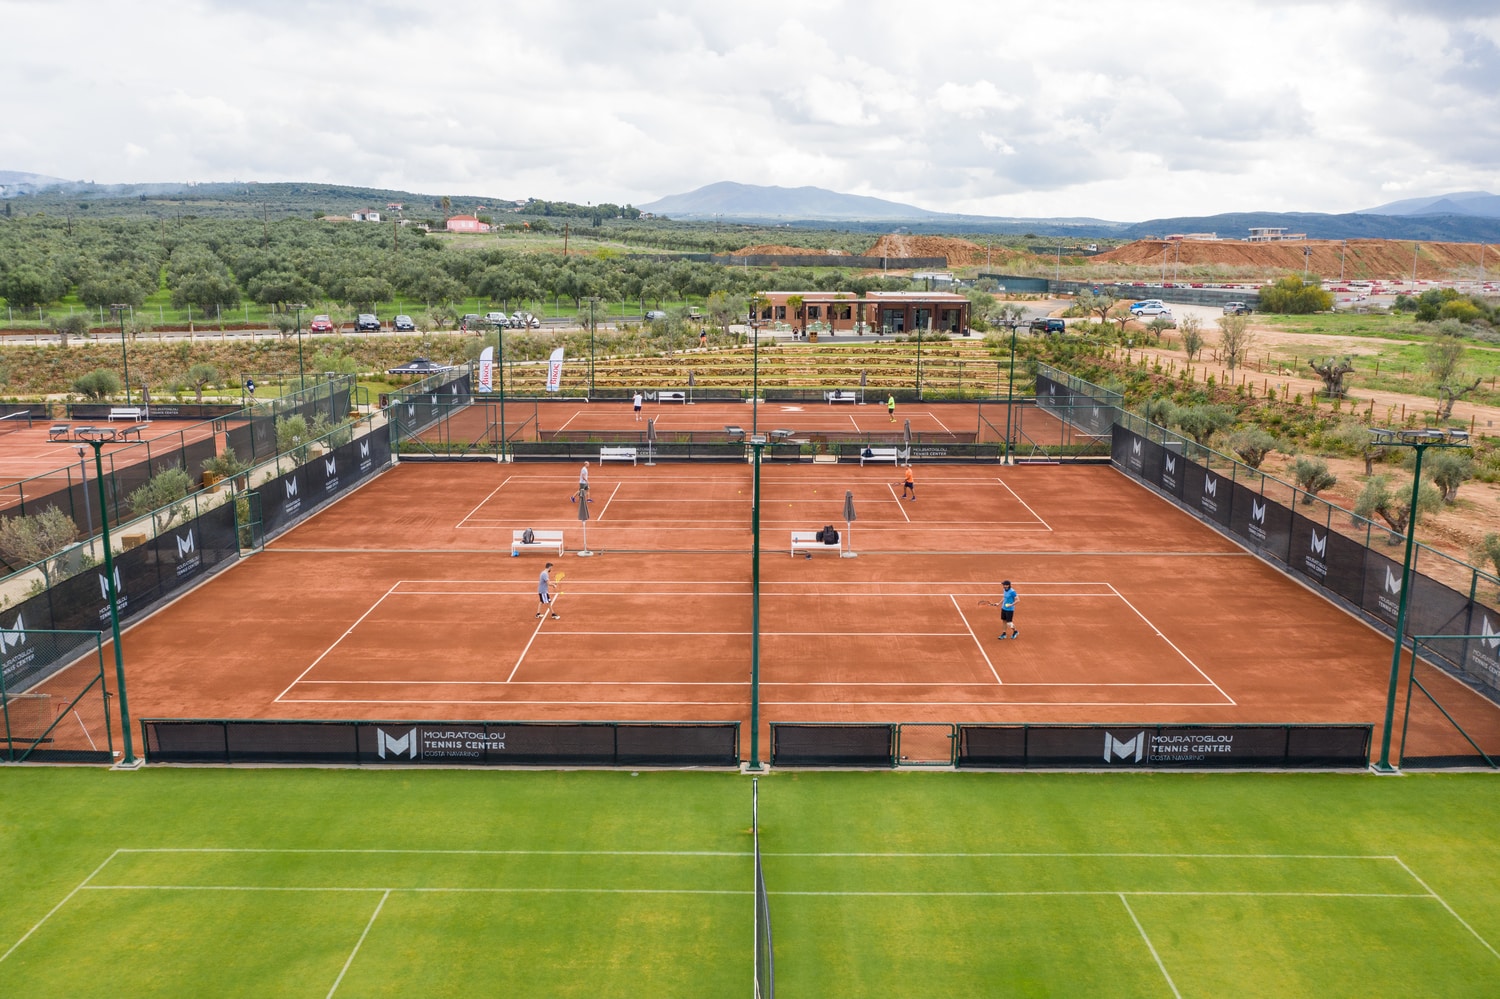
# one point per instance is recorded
(1132, 750)
(395, 745)
(13, 637)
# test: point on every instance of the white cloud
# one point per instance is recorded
(1180, 108)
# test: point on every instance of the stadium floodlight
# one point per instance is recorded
(111, 591)
(1418, 440)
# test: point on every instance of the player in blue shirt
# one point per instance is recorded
(1008, 611)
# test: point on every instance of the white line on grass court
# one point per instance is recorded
(1186, 658)
(358, 944)
(1151, 947)
(1443, 902)
(53, 911)
(1064, 893)
(962, 617)
(347, 632)
(435, 853)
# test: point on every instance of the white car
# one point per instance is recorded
(1150, 307)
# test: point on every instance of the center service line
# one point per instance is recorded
(359, 943)
(898, 501)
(607, 502)
(347, 632)
(977, 642)
(1151, 947)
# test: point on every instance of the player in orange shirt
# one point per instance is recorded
(910, 485)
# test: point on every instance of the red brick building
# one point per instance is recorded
(876, 312)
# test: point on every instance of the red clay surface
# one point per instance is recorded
(402, 602)
(44, 465)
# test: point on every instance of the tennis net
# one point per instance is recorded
(765, 960)
(11, 422)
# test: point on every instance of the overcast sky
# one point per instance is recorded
(1099, 108)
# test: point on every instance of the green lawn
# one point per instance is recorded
(437, 883)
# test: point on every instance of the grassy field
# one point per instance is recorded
(307, 882)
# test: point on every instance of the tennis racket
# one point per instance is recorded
(989, 603)
(558, 578)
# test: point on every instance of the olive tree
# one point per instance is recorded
(1236, 338)
(1312, 476)
(34, 538)
(1394, 505)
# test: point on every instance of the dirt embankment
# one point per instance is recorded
(959, 252)
(1356, 259)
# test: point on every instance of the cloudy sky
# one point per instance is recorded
(1101, 108)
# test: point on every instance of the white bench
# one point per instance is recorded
(889, 454)
(807, 541)
(671, 396)
(840, 395)
(617, 454)
(132, 413)
(540, 541)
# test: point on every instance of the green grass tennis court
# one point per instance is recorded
(370, 883)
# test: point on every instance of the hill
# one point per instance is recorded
(1480, 203)
(1356, 259)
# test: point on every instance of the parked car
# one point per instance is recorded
(403, 324)
(320, 324)
(470, 320)
(1150, 307)
(1236, 309)
(524, 320)
(654, 315)
(496, 319)
(1048, 326)
(367, 322)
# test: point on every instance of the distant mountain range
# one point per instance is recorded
(1467, 216)
(1464, 217)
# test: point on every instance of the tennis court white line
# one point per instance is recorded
(540, 620)
(429, 891)
(1096, 892)
(897, 499)
(968, 628)
(53, 911)
(1023, 503)
(347, 632)
(436, 853)
(726, 683)
(1150, 946)
(573, 703)
(613, 493)
(480, 505)
(1186, 658)
(939, 422)
(1444, 903)
(358, 944)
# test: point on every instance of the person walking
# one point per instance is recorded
(637, 402)
(582, 495)
(1008, 611)
(544, 594)
(890, 406)
(910, 485)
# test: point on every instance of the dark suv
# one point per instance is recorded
(366, 321)
(1048, 326)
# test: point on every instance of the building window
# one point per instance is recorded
(781, 312)
(814, 312)
(846, 312)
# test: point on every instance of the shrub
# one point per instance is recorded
(1312, 476)
(1252, 445)
(100, 383)
(1378, 499)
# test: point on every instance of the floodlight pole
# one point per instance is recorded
(500, 366)
(111, 593)
(1419, 441)
(301, 378)
(119, 312)
(593, 328)
(1010, 389)
(754, 377)
(756, 444)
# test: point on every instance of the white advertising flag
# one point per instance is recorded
(554, 370)
(487, 370)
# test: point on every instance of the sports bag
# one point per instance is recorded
(528, 537)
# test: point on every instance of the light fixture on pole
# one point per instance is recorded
(119, 311)
(301, 377)
(1419, 441)
(111, 593)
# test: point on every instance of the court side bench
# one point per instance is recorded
(617, 454)
(540, 541)
(889, 454)
(807, 541)
(671, 396)
(840, 395)
(132, 413)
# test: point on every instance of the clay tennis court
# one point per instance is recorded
(403, 602)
